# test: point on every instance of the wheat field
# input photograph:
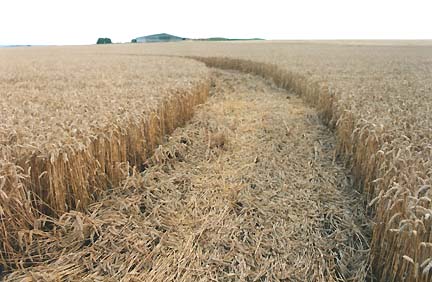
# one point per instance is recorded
(70, 125)
(377, 97)
(70, 129)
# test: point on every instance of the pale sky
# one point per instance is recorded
(43, 22)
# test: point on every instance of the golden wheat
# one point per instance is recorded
(70, 124)
(375, 95)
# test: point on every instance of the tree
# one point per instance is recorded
(134, 41)
(104, 41)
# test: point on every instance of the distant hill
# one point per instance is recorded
(160, 37)
(165, 37)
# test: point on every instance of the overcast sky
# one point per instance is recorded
(83, 21)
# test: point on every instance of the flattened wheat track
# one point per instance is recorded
(249, 190)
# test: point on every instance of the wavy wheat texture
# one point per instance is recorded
(73, 123)
(377, 96)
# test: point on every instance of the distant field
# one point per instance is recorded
(376, 95)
